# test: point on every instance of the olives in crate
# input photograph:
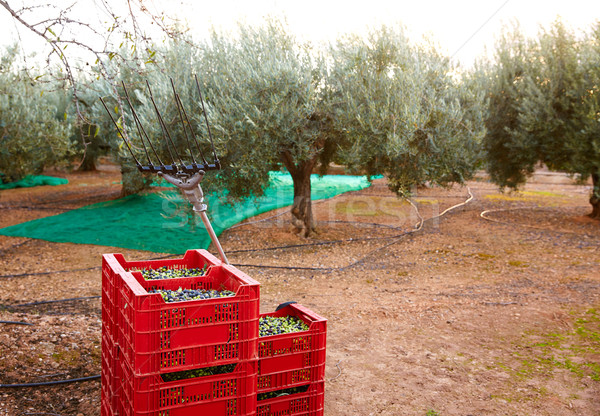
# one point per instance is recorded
(282, 392)
(181, 295)
(199, 372)
(273, 325)
(169, 273)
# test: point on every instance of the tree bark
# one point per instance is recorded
(302, 218)
(93, 147)
(88, 164)
(595, 197)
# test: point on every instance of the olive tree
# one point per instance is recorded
(266, 102)
(33, 134)
(544, 107)
(404, 111)
(586, 161)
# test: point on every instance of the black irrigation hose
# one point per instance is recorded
(15, 323)
(73, 270)
(325, 269)
(22, 243)
(58, 201)
(51, 383)
(43, 302)
(319, 243)
(396, 238)
(36, 208)
(374, 224)
(52, 272)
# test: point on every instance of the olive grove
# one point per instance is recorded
(544, 106)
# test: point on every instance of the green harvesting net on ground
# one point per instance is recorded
(162, 224)
(33, 180)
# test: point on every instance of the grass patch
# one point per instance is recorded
(523, 196)
(484, 256)
(505, 197)
(67, 357)
(517, 263)
(575, 350)
(373, 207)
(427, 201)
(542, 193)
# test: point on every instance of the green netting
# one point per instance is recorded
(162, 224)
(34, 180)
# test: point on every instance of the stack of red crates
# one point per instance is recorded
(293, 362)
(146, 340)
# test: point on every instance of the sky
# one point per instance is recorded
(462, 28)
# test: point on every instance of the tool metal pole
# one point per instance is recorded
(190, 185)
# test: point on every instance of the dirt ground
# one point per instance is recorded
(493, 308)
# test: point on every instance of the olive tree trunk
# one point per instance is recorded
(302, 218)
(595, 197)
(88, 163)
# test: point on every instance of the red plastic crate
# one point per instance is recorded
(110, 385)
(231, 394)
(116, 263)
(308, 403)
(109, 311)
(293, 359)
(113, 265)
(159, 337)
(105, 409)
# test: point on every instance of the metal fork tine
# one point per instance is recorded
(166, 135)
(195, 140)
(139, 126)
(137, 162)
(206, 118)
(179, 106)
(192, 132)
(177, 165)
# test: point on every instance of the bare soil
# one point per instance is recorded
(492, 308)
